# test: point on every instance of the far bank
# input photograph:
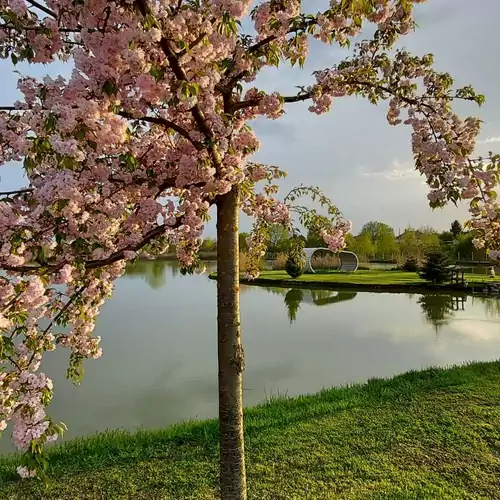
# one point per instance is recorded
(369, 280)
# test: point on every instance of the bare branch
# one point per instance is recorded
(39, 28)
(16, 192)
(43, 8)
(298, 97)
(259, 45)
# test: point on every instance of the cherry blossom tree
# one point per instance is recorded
(152, 128)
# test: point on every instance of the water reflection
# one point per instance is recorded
(293, 299)
(160, 353)
(491, 306)
(154, 273)
(295, 296)
(439, 309)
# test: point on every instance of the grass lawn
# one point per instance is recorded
(375, 278)
(423, 435)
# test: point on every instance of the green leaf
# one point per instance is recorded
(129, 161)
(80, 135)
(194, 88)
(110, 87)
(157, 73)
(29, 164)
(50, 123)
(61, 204)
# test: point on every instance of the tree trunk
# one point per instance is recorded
(231, 359)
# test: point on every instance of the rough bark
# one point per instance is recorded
(231, 359)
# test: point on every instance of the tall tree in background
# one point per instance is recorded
(456, 228)
(364, 246)
(382, 237)
(377, 230)
(150, 130)
(277, 238)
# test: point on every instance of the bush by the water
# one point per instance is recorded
(411, 265)
(295, 264)
(436, 267)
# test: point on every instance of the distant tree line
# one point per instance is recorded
(378, 241)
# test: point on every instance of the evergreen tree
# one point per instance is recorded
(456, 228)
(436, 267)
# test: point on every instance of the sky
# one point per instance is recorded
(352, 153)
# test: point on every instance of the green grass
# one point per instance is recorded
(371, 278)
(423, 435)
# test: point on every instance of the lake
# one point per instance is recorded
(159, 341)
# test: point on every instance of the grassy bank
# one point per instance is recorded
(372, 280)
(423, 435)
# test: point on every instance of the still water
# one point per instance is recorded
(159, 341)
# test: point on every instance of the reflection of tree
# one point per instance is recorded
(326, 297)
(174, 266)
(438, 309)
(491, 306)
(293, 298)
(153, 272)
(296, 296)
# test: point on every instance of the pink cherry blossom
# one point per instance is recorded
(128, 153)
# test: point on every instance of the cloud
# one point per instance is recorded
(396, 172)
(489, 140)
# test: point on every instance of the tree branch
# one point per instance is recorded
(308, 95)
(166, 123)
(43, 8)
(16, 192)
(39, 28)
(192, 45)
(94, 264)
(64, 309)
(298, 97)
(198, 116)
(182, 76)
(257, 46)
(142, 7)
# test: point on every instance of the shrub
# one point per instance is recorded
(295, 264)
(411, 265)
(436, 267)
